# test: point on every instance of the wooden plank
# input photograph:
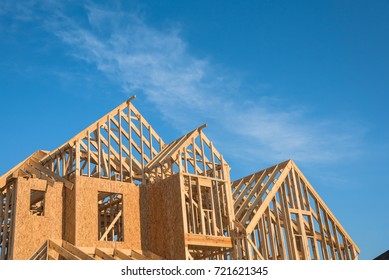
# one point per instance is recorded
(271, 233)
(129, 140)
(109, 147)
(300, 220)
(280, 239)
(138, 255)
(121, 255)
(12, 222)
(5, 223)
(50, 173)
(322, 232)
(257, 189)
(62, 251)
(142, 154)
(214, 227)
(103, 255)
(76, 251)
(38, 253)
(330, 243)
(312, 227)
(150, 142)
(183, 208)
(337, 243)
(202, 152)
(88, 151)
(264, 239)
(111, 225)
(219, 206)
(207, 240)
(255, 249)
(120, 145)
(151, 255)
(268, 198)
(78, 156)
(192, 212)
(239, 197)
(200, 204)
(1, 207)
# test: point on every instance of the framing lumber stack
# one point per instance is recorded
(117, 191)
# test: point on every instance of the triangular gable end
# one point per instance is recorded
(284, 217)
(104, 149)
(192, 153)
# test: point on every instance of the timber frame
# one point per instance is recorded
(117, 191)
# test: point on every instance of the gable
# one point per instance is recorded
(284, 217)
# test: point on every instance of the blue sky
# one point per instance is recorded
(274, 80)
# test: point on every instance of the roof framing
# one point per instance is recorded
(116, 147)
(192, 153)
(284, 217)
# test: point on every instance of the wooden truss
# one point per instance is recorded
(116, 147)
(63, 250)
(204, 180)
(31, 167)
(282, 217)
(193, 153)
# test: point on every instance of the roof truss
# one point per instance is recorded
(61, 249)
(284, 218)
(31, 167)
(116, 147)
(193, 153)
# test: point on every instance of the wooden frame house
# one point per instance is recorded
(117, 191)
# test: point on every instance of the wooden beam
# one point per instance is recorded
(268, 198)
(62, 251)
(121, 255)
(76, 251)
(138, 255)
(111, 226)
(207, 240)
(100, 253)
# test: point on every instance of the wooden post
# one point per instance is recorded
(129, 140)
(120, 146)
(78, 157)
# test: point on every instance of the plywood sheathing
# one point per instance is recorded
(30, 231)
(166, 233)
(86, 212)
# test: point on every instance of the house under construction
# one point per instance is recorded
(117, 191)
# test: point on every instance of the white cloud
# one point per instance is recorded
(187, 90)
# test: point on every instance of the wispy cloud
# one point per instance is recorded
(188, 90)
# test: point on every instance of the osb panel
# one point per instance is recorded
(165, 224)
(32, 231)
(69, 226)
(86, 212)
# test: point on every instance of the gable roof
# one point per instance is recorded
(281, 201)
(192, 153)
(117, 146)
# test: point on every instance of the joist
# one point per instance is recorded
(62, 251)
(209, 241)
